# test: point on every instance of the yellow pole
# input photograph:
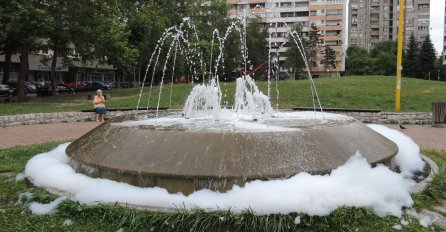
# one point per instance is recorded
(399, 62)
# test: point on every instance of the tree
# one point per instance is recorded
(27, 19)
(358, 61)
(427, 58)
(314, 40)
(8, 45)
(384, 58)
(329, 58)
(294, 60)
(57, 34)
(256, 43)
(411, 63)
(440, 70)
(111, 41)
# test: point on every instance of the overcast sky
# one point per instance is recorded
(437, 24)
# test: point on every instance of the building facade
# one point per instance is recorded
(372, 21)
(278, 16)
(39, 68)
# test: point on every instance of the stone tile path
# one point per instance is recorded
(39, 133)
(425, 135)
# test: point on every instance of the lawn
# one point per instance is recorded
(368, 92)
(72, 216)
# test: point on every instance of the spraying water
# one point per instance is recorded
(207, 96)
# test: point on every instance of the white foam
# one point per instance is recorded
(68, 222)
(354, 184)
(43, 209)
(20, 176)
(425, 221)
(408, 157)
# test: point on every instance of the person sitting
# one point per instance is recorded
(99, 106)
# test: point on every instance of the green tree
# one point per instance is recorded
(358, 61)
(26, 19)
(145, 24)
(384, 58)
(111, 43)
(8, 45)
(59, 18)
(440, 70)
(427, 58)
(256, 43)
(411, 63)
(313, 44)
(294, 61)
(329, 59)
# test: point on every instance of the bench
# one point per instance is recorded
(126, 109)
(6, 99)
(337, 109)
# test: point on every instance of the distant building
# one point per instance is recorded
(40, 69)
(372, 21)
(275, 15)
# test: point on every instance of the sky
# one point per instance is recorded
(437, 24)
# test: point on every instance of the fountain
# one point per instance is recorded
(207, 146)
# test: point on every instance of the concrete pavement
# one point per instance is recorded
(424, 135)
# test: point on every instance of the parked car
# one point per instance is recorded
(109, 84)
(92, 87)
(76, 84)
(44, 91)
(126, 85)
(29, 88)
(5, 90)
(62, 88)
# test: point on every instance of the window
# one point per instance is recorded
(302, 14)
(332, 2)
(334, 12)
(287, 14)
(423, 6)
(285, 4)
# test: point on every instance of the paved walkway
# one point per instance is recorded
(39, 133)
(424, 135)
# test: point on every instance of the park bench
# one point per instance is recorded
(337, 109)
(8, 99)
(438, 112)
(125, 109)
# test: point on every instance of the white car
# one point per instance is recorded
(5, 90)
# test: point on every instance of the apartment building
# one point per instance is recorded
(277, 16)
(39, 68)
(371, 21)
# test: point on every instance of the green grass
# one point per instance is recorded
(109, 217)
(14, 159)
(371, 92)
